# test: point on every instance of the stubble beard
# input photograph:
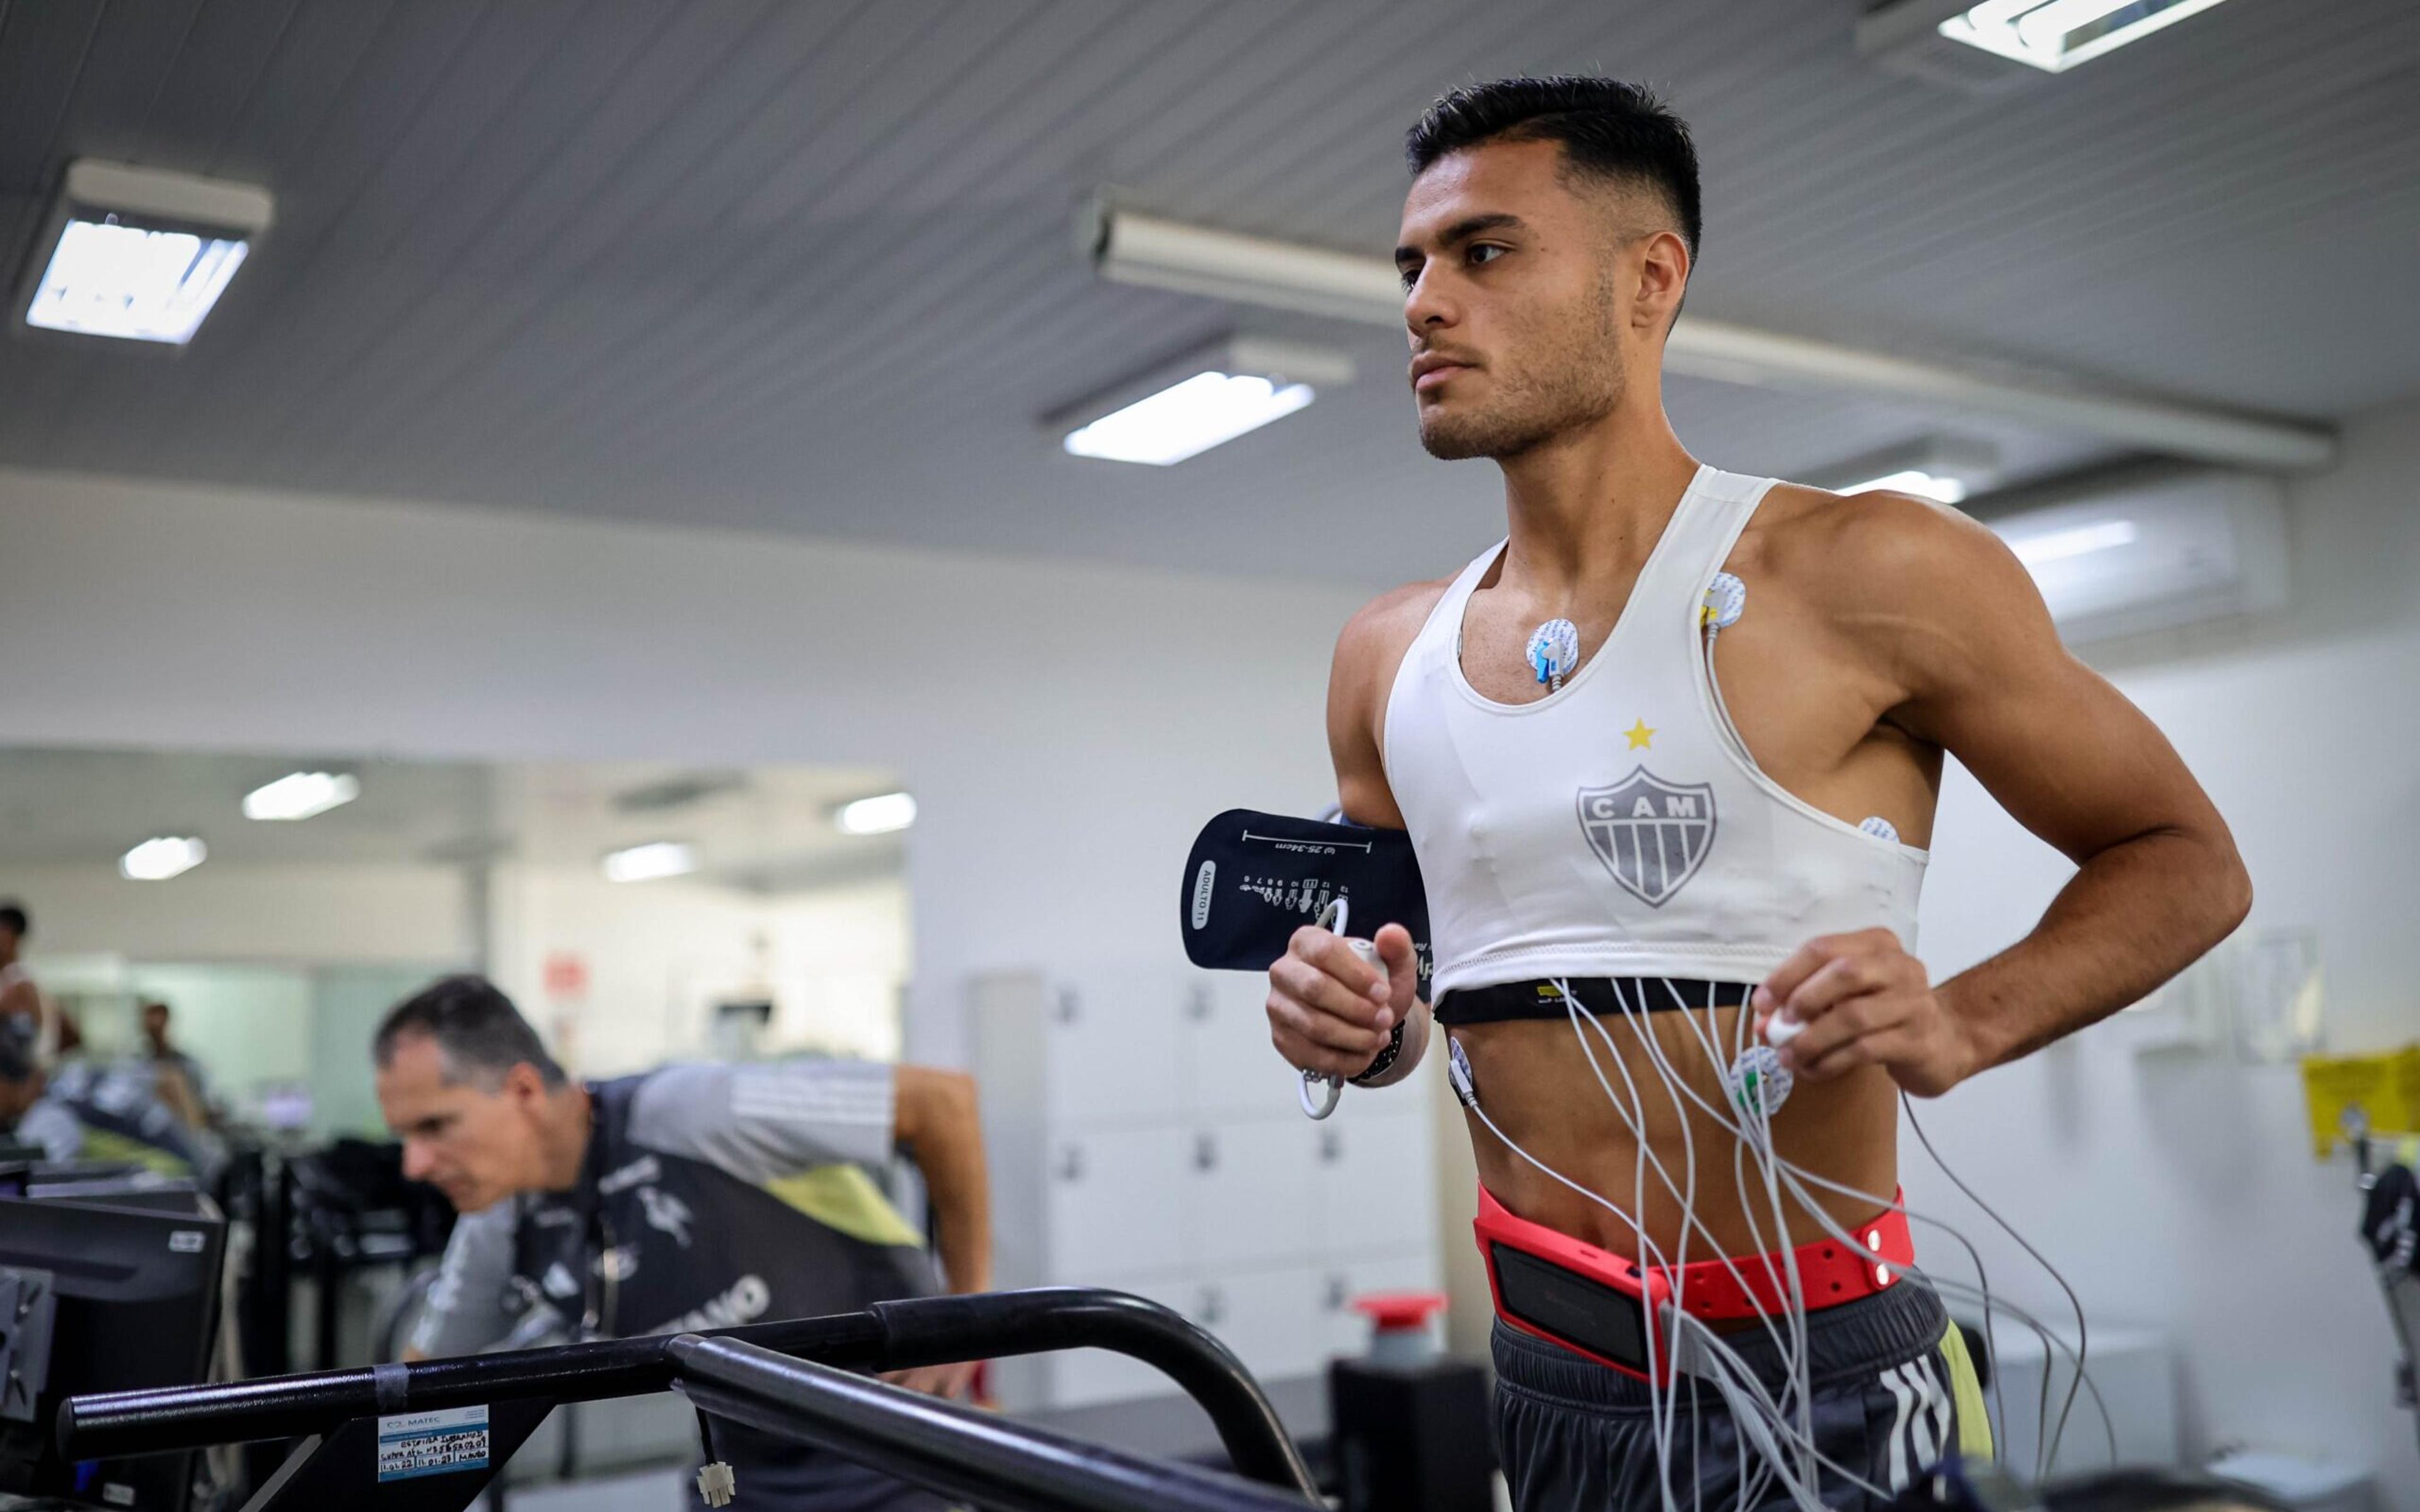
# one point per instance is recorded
(1572, 380)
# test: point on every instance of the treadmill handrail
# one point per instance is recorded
(943, 1446)
(890, 1336)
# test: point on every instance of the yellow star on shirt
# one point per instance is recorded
(1639, 736)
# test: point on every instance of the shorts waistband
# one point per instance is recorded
(1538, 998)
(1852, 1340)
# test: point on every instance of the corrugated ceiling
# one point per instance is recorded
(807, 266)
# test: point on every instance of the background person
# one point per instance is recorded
(52, 1030)
(692, 1197)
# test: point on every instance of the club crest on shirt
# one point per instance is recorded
(1651, 834)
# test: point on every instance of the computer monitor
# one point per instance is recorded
(148, 1189)
(18, 1176)
(138, 1295)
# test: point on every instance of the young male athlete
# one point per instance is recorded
(1671, 817)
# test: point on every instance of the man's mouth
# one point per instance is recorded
(1431, 371)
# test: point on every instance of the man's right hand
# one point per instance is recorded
(1329, 1011)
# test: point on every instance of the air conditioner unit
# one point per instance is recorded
(2151, 550)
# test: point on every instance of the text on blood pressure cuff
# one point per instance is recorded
(1254, 878)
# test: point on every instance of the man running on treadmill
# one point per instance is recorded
(1712, 788)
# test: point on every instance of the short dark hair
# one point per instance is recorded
(477, 1028)
(1609, 131)
(13, 920)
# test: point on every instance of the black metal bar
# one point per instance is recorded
(944, 1447)
(115, 1424)
(932, 1331)
(889, 1336)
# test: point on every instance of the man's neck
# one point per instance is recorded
(571, 1122)
(1585, 508)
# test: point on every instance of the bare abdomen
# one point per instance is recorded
(1535, 1083)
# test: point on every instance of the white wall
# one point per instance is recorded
(2180, 1191)
(659, 955)
(220, 911)
(1066, 728)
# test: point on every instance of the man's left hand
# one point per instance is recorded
(953, 1382)
(1865, 1001)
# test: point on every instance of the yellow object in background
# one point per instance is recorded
(2385, 1086)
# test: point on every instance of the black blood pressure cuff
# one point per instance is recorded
(1255, 878)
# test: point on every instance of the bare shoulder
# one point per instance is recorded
(1384, 628)
(1894, 562)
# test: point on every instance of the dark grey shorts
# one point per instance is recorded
(1894, 1392)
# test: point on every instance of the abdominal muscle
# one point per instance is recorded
(1533, 1080)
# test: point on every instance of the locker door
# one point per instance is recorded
(1111, 1038)
(1247, 1197)
(1115, 1201)
(1374, 1186)
(1270, 1316)
(1230, 1070)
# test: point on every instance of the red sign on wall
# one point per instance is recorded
(567, 975)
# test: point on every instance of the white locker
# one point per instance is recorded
(1144, 1136)
(1248, 1196)
(1374, 1179)
(1111, 1038)
(1270, 1318)
(1116, 1203)
(1230, 1069)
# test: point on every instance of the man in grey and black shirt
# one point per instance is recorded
(688, 1197)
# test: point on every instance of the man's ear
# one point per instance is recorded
(1663, 279)
(524, 1086)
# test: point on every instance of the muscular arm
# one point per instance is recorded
(938, 1124)
(1329, 1010)
(1951, 614)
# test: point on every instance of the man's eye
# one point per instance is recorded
(1409, 275)
(1485, 252)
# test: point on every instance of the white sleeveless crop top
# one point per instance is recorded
(1619, 827)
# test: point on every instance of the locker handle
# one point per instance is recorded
(1206, 1152)
(1071, 1164)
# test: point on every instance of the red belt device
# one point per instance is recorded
(1597, 1305)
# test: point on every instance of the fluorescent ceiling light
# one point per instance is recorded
(302, 794)
(877, 816)
(161, 858)
(2076, 541)
(1205, 410)
(2057, 35)
(112, 280)
(650, 862)
(1935, 486)
(1129, 247)
(142, 254)
(1944, 468)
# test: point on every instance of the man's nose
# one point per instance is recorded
(1425, 306)
(417, 1161)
